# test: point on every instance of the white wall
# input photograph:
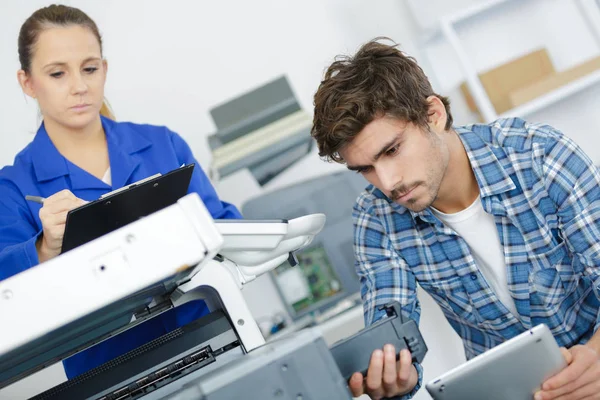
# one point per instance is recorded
(170, 62)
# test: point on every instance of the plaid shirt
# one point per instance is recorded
(544, 194)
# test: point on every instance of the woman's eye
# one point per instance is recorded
(90, 70)
(57, 74)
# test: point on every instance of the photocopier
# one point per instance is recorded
(173, 256)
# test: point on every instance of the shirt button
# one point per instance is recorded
(473, 276)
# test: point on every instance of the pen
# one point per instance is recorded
(36, 199)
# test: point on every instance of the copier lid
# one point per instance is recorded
(82, 333)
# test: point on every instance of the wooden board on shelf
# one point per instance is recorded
(554, 81)
(505, 79)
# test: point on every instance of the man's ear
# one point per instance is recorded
(26, 84)
(437, 114)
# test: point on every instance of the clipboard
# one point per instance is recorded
(124, 206)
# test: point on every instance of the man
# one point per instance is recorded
(499, 223)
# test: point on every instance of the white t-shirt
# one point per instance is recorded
(107, 178)
(478, 229)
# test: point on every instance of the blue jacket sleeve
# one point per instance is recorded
(18, 232)
(200, 183)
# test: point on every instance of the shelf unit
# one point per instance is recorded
(553, 96)
(590, 11)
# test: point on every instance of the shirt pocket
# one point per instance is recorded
(452, 297)
(552, 276)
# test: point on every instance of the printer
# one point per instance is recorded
(264, 130)
(131, 275)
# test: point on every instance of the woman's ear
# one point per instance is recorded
(26, 84)
(105, 67)
(437, 114)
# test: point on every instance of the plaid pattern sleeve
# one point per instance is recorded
(544, 195)
(384, 276)
(573, 183)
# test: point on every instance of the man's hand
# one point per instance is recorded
(580, 380)
(385, 376)
(54, 216)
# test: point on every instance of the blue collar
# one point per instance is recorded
(123, 141)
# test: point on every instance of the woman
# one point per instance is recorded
(78, 155)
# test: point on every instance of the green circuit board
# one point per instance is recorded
(321, 282)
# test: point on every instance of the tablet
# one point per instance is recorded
(513, 370)
(124, 206)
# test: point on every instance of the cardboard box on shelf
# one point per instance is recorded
(554, 81)
(503, 80)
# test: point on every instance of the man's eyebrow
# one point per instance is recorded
(381, 152)
(388, 145)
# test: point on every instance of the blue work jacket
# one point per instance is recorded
(135, 152)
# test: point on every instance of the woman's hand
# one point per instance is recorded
(53, 215)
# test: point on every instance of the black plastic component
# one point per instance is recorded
(354, 353)
(144, 359)
(123, 207)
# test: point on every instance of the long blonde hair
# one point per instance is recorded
(106, 110)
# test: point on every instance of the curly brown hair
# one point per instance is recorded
(379, 80)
